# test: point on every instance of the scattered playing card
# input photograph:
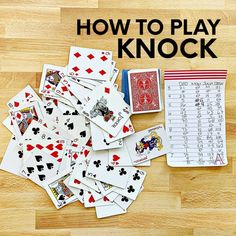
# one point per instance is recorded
(89, 63)
(148, 144)
(144, 90)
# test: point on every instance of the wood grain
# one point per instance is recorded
(175, 201)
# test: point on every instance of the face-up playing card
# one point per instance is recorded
(24, 96)
(124, 202)
(89, 63)
(13, 158)
(40, 167)
(59, 192)
(99, 141)
(79, 173)
(9, 124)
(51, 77)
(22, 117)
(126, 130)
(89, 200)
(107, 109)
(79, 91)
(144, 90)
(110, 210)
(37, 131)
(105, 188)
(75, 183)
(112, 196)
(99, 169)
(54, 147)
(79, 193)
(63, 91)
(148, 144)
(134, 184)
(114, 75)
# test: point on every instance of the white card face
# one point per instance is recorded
(75, 183)
(51, 77)
(105, 188)
(13, 158)
(79, 193)
(111, 210)
(78, 90)
(24, 96)
(37, 131)
(114, 75)
(99, 169)
(107, 109)
(9, 124)
(112, 196)
(89, 63)
(126, 130)
(59, 192)
(89, 200)
(148, 144)
(99, 141)
(40, 167)
(79, 173)
(54, 147)
(134, 184)
(22, 117)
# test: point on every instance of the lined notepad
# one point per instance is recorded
(195, 117)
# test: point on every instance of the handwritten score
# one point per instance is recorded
(195, 117)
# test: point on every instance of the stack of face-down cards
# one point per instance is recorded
(78, 141)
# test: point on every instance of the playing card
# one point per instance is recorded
(114, 75)
(133, 184)
(107, 109)
(22, 117)
(40, 167)
(99, 169)
(144, 90)
(79, 193)
(147, 144)
(125, 86)
(54, 147)
(9, 124)
(126, 130)
(89, 63)
(51, 77)
(79, 173)
(125, 202)
(24, 96)
(89, 200)
(13, 158)
(75, 183)
(110, 210)
(59, 192)
(112, 196)
(99, 141)
(104, 188)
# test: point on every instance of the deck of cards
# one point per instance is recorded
(77, 141)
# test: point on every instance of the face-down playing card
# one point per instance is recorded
(144, 90)
(107, 109)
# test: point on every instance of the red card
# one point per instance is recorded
(144, 88)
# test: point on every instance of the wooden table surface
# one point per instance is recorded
(175, 201)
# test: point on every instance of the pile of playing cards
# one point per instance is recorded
(78, 142)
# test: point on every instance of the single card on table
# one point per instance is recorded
(40, 167)
(99, 169)
(55, 148)
(109, 210)
(99, 141)
(24, 96)
(89, 200)
(89, 63)
(133, 185)
(144, 91)
(107, 109)
(148, 144)
(51, 77)
(126, 130)
(13, 158)
(22, 117)
(59, 192)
